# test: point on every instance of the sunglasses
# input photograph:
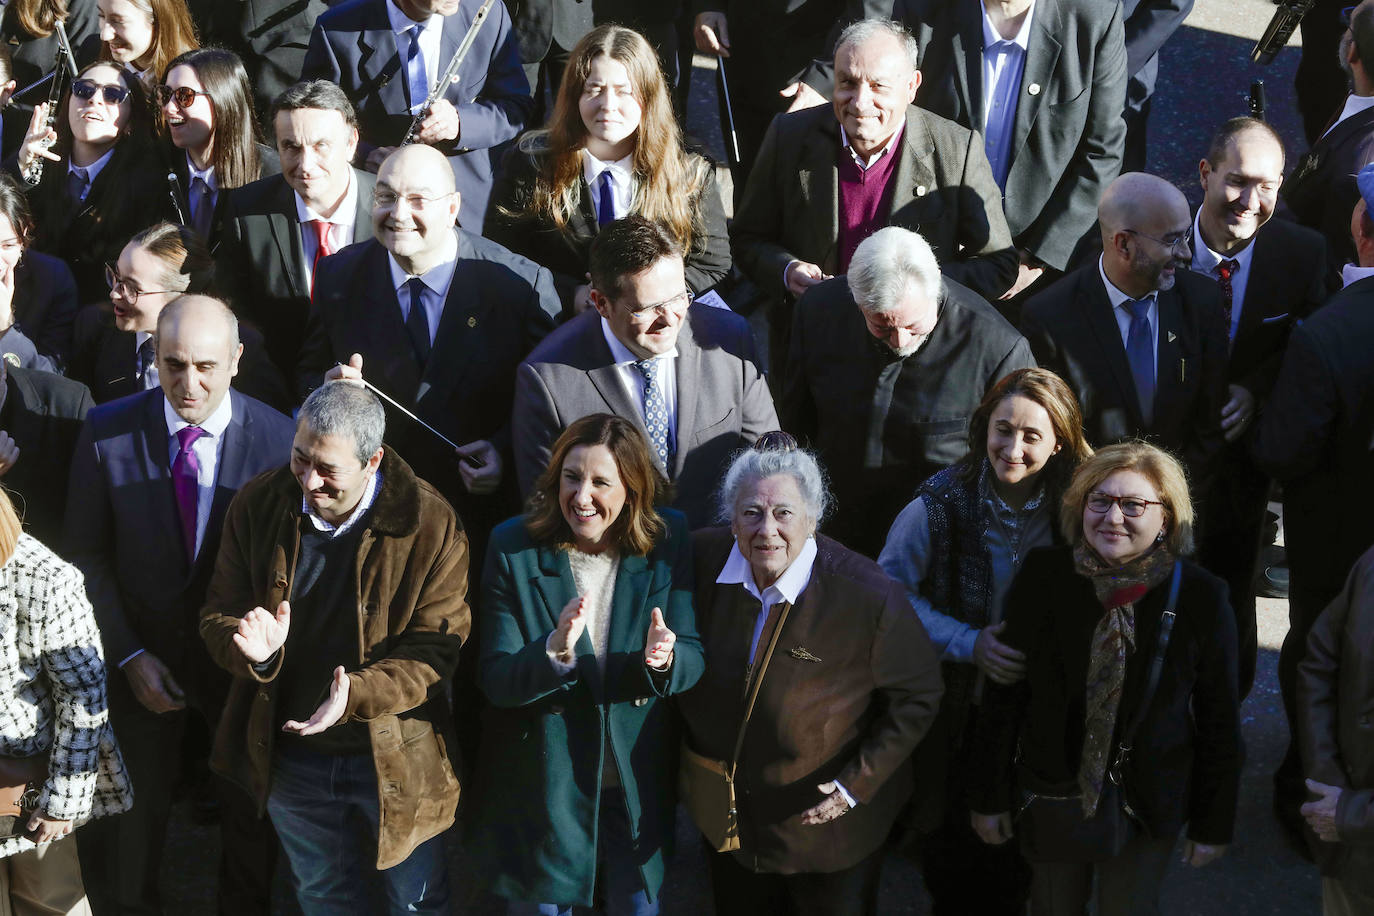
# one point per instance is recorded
(112, 94)
(184, 96)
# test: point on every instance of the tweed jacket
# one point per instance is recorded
(413, 618)
(52, 689)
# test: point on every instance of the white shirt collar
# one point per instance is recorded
(592, 167)
(868, 163)
(991, 36)
(401, 23)
(1114, 295)
(206, 175)
(214, 425)
(621, 354)
(139, 337)
(1205, 260)
(1354, 104)
(1351, 273)
(93, 169)
(344, 215)
(790, 584)
(438, 278)
(374, 481)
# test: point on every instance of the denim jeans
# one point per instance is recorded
(624, 888)
(326, 812)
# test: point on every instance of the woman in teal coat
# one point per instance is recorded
(586, 624)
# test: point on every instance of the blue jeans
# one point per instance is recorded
(624, 887)
(326, 812)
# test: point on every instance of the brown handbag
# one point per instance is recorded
(21, 779)
(707, 785)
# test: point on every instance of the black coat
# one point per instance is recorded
(268, 161)
(43, 414)
(831, 385)
(1321, 191)
(1185, 768)
(45, 304)
(270, 36)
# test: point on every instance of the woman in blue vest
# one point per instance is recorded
(956, 548)
(586, 626)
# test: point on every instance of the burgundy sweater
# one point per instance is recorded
(865, 197)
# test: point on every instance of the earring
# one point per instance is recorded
(1159, 538)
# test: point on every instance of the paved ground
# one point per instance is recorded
(1260, 875)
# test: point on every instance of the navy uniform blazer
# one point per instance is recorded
(123, 530)
(353, 45)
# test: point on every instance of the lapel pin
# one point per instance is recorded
(1033, 88)
(1172, 337)
(801, 654)
(920, 190)
(472, 321)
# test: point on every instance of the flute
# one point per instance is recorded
(450, 74)
(65, 60)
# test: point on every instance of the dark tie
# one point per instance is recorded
(145, 362)
(1226, 269)
(201, 208)
(322, 249)
(77, 184)
(605, 207)
(417, 323)
(186, 482)
(655, 414)
(1140, 353)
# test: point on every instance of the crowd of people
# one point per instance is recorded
(390, 464)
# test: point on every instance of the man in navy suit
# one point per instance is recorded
(151, 480)
(387, 54)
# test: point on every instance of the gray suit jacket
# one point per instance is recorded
(723, 401)
(1068, 132)
(943, 189)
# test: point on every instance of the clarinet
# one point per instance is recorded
(64, 62)
(450, 74)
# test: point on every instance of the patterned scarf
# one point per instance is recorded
(1118, 588)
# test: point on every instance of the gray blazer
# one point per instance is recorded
(723, 401)
(942, 188)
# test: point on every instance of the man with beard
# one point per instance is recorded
(1139, 337)
(887, 366)
(1321, 191)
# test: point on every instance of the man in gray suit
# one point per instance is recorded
(684, 373)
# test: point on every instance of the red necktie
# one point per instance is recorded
(1226, 269)
(322, 249)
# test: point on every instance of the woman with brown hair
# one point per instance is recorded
(586, 625)
(956, 548)
(206, 108)
(612, 147)
(55, 727)
(144, 35)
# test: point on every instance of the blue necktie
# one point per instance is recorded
(417, 322)
(417, 83)
(655, 414)
(1140, 353)
(605, 207)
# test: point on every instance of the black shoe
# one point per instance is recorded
(1272, 582)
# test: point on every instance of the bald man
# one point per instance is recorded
(1139, 336)
(437, 318)
(151, 480)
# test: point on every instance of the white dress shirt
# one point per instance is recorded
(633, 379)
(340, 226)
(1351, 273)
(1004, 63)
(432, 31)
(1122, 314)
(1354, 104)
(623, 192)
(1205, 262)
(437, 281)
(150, 381)
(868, 162)
(207, 449)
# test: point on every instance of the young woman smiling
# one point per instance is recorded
(956, 548)
(144, 35)
(100, 183)
(612, 147)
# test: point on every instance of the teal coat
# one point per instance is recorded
(534, 811)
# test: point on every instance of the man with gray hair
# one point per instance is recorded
(826, 179)
(887, 366)
(339, 605)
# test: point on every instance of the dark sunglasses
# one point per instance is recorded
(111, 93)
(184, 96)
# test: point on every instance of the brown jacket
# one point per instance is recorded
(1336, 723)
(850, 691)
(412, 620)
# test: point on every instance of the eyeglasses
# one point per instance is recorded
(1131, 506)
(121, 287)
(387, 199)
(184, 96)
(676, 304)
(1180, 242)
(110, 93)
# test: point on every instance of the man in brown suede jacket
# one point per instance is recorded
(340, 693)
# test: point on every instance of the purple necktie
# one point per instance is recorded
(186, 482)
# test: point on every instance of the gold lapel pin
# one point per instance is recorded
(472, 321)
(1033, 88)
(801, 654)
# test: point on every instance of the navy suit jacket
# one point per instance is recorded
(353, 45)
(123, 531)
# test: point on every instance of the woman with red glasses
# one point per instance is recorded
(205, 106)
(92, 180)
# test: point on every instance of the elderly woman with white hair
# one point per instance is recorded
(839, 684)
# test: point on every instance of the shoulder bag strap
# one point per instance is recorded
(757, 684)
(1166, 629)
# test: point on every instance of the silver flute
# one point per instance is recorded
(450, 74)
(66, 61)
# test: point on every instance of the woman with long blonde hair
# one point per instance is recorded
(612, 148)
